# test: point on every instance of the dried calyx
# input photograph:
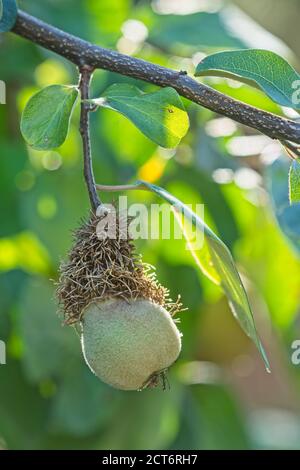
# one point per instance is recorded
(129, 337)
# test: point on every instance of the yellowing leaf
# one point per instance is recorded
(159, 115)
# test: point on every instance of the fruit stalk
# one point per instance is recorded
(86, 73)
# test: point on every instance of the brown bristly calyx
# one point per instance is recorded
(103, 268)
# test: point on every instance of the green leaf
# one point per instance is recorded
(294, 182)
(46, 117)
(256, 67)
(219, 267)
(160, 115)
(8, 15)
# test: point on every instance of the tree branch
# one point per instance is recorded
(81, 52)
(84, 87)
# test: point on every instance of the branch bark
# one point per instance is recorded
(81, 53)
(84, 87)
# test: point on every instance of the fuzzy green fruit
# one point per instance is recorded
(125, 342)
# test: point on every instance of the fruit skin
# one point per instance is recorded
(125, 342)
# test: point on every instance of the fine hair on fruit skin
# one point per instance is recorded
(126, 342)
(128, 334)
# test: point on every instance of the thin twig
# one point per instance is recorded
(86, 73)
(292, 150)
(139, 185)
(78, 51)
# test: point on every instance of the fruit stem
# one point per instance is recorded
(86, 73)
(138, 185)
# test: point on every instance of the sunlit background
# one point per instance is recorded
(220, 395)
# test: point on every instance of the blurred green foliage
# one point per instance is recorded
(220, 395)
